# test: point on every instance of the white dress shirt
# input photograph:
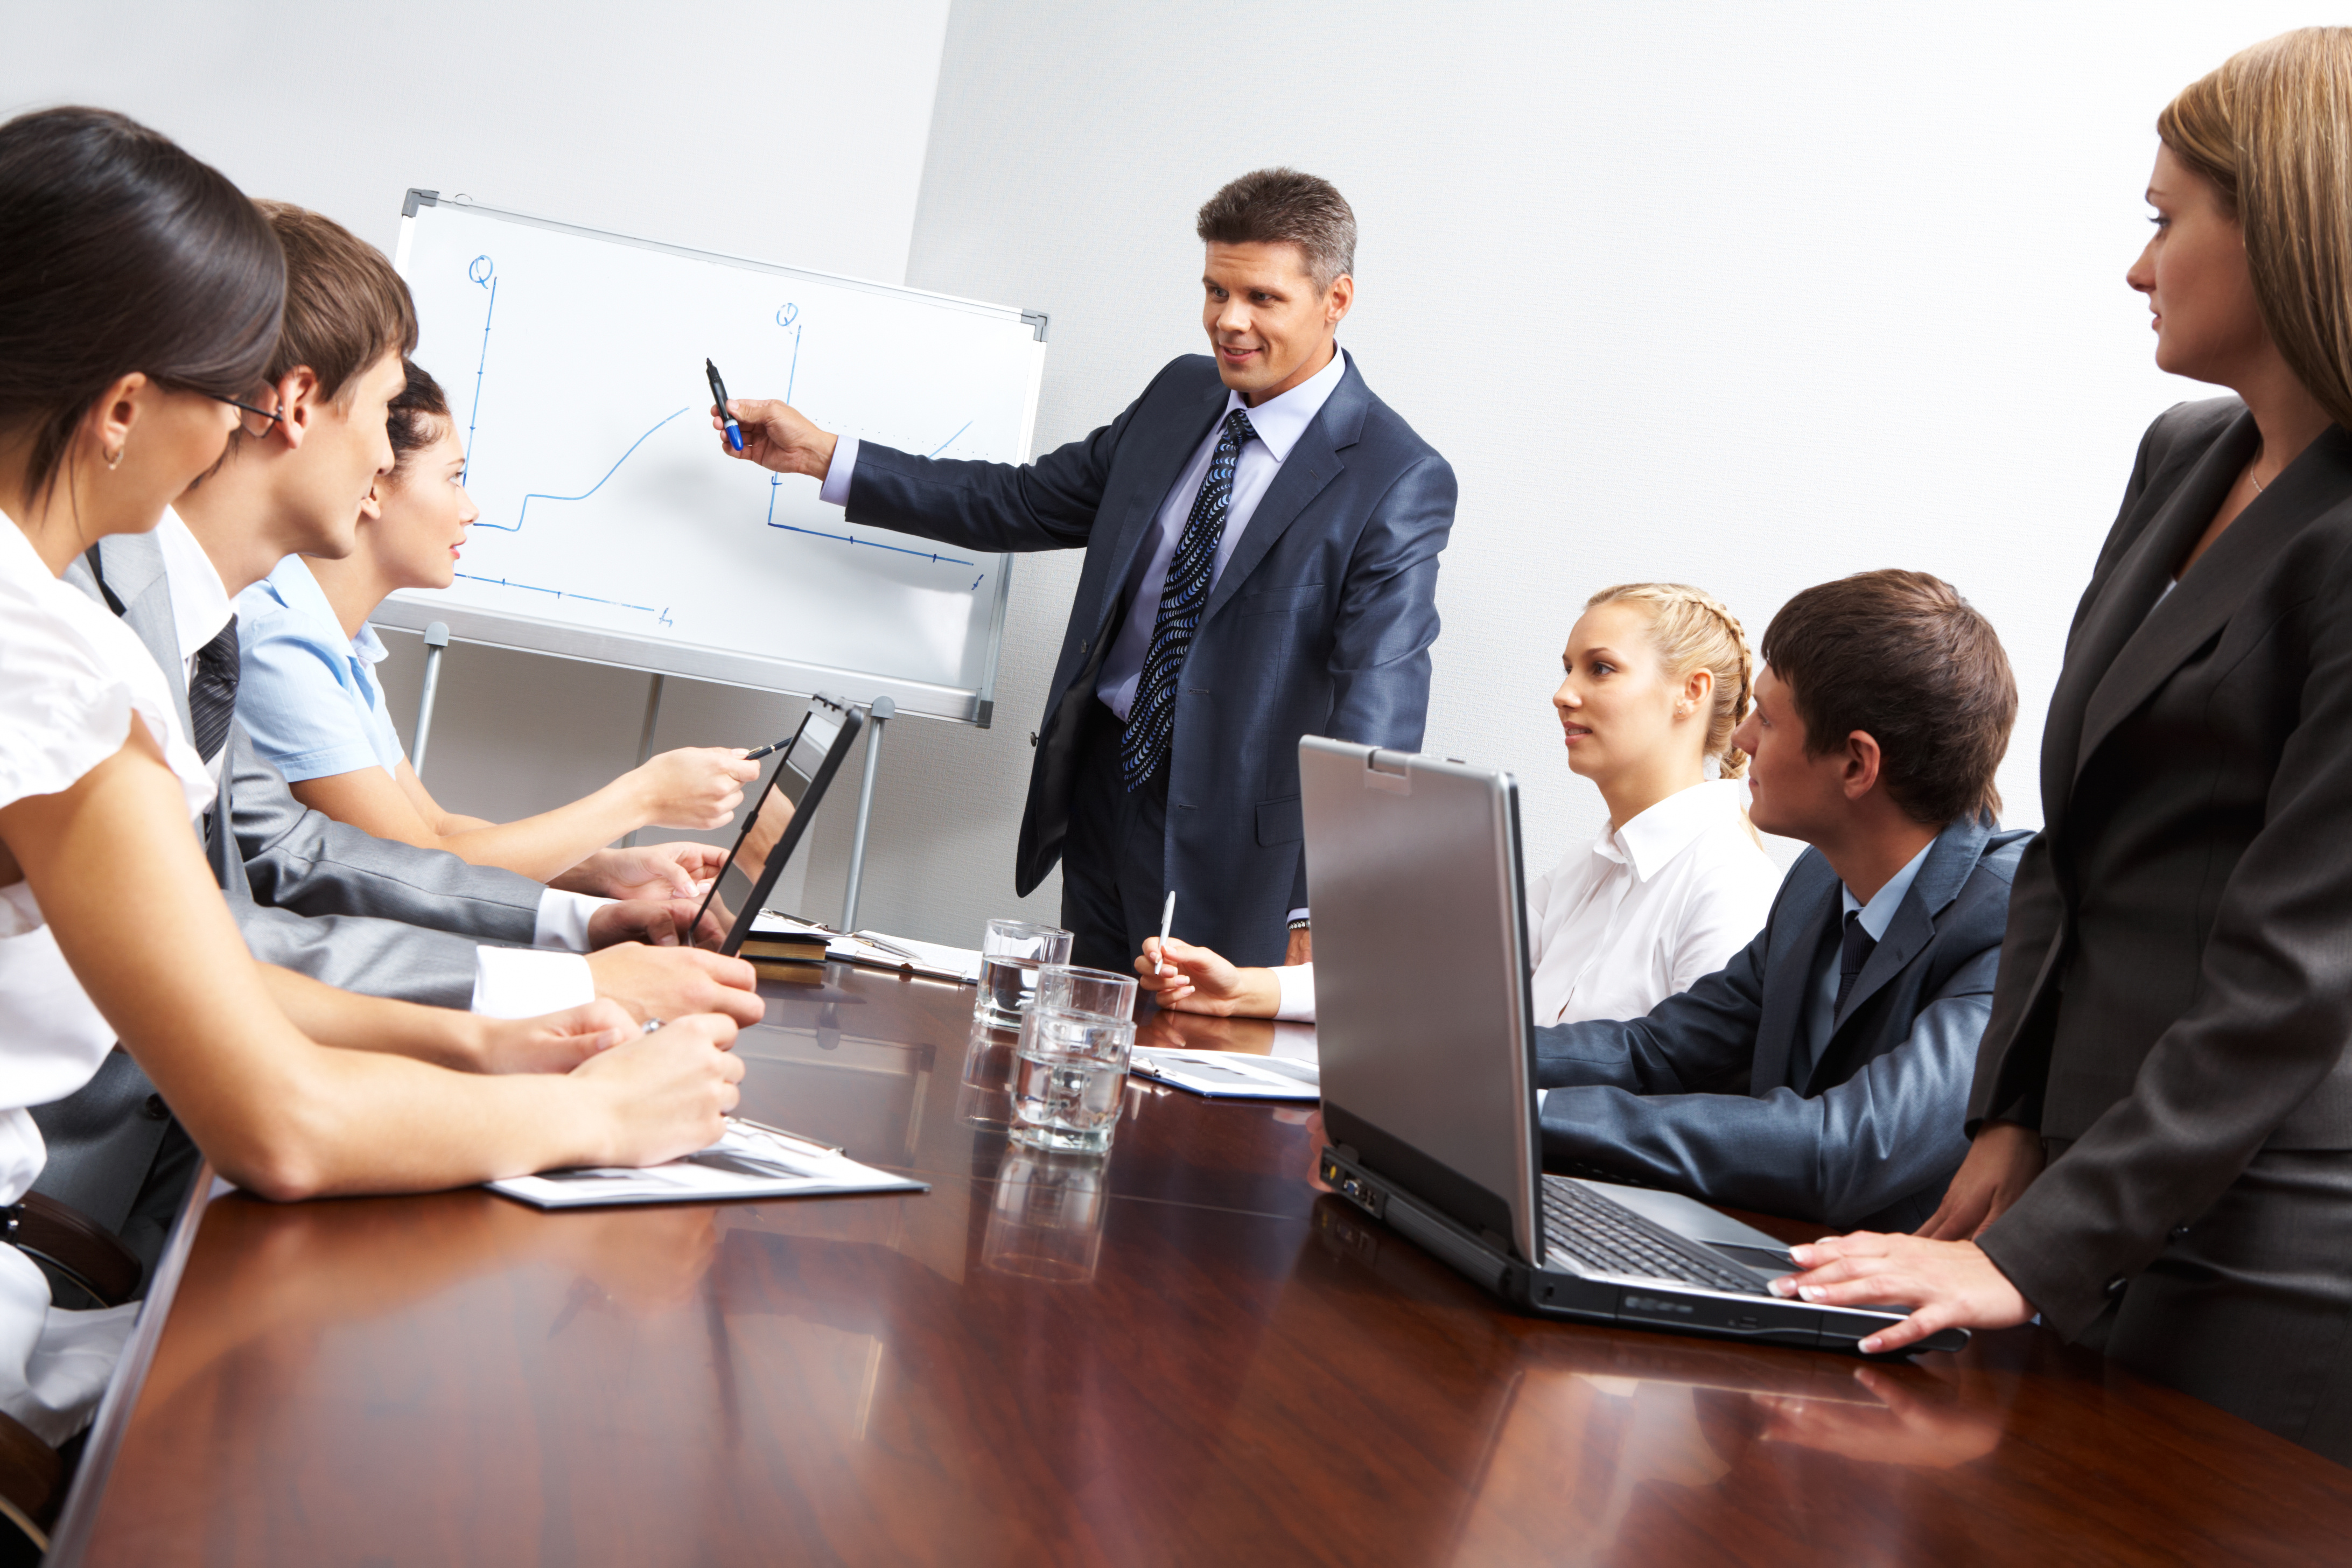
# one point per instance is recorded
(1279, 423)
(77, 679)
(1638, 915)
(508, 982)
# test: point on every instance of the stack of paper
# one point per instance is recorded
(876, 950)
(748, 1162)
(1231, 1074)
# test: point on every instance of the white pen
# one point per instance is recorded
(1167, 919)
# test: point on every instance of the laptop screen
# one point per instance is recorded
(772, 826)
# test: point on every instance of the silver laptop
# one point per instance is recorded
(1427, 1041)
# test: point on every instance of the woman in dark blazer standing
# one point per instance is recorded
(2162, 1114)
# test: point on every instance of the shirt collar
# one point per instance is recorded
(1654, 837)
(200, 603)
(1281, 421)
(367, 647)
(292, 585)
(1879, 913)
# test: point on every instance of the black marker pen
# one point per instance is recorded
(719, 391)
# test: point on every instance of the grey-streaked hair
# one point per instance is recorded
(1284, 207)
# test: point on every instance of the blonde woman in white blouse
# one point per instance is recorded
(139, 301)
(1654, 680)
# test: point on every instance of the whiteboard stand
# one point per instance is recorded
(437, 641)
(645, 740)
(878, 713)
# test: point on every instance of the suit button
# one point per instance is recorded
(2180, 1232)
(1087, 646)
(155, 1110)
(1033, 739)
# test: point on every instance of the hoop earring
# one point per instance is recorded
(114, 460)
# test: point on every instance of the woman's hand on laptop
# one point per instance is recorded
(1946, 1284)
(1201, 980)
(2002, 1162)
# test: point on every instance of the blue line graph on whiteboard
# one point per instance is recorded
(516, 526)
(662, 615)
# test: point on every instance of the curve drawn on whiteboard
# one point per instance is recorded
(516, 526)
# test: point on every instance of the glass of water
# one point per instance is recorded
(1069, 1081)
(1010, 956)
(1068, 988)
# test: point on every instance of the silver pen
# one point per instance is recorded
(802, 1139)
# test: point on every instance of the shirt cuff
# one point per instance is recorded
(517, 983)
(1294, 915)
(1298, 984)
(563, 920)
(839, 472)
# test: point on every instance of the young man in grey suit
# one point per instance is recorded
(1823, 1073)
(1262, 537)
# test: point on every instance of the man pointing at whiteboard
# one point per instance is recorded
(1262, 537)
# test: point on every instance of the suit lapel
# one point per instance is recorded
(2122, 604)
(1950, 859)
(1173, 443)
(1788, 970)
(1313, 463)
(134, 571)
(2317, 482)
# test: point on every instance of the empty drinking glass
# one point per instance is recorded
(1010, 956)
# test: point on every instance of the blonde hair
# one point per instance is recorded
(2272, 129)
(1692, 630)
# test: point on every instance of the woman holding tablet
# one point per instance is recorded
(310, 697)
(2162, 1114)
(139, 301)
(1655, 678)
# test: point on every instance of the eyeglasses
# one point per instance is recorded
(253, 421)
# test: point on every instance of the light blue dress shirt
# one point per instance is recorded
(1820, 999)
(307, 695)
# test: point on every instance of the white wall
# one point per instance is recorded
(1743, 295)
(599, 113)
(1747, 296)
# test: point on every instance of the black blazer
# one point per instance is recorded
(2175, 985)
(1702, 1094)
(1320, 624)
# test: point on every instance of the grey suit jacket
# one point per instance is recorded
(1321, 624)
(2176, 991)
(1703, 1095)
(309, 894)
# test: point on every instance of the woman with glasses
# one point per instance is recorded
(140, 298)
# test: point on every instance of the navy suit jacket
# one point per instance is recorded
(1321, 624)
(1703, 1095)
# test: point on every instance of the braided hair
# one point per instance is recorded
(1692, 629)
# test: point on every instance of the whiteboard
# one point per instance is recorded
(613, 528)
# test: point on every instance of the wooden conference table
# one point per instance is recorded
(1189, 1353)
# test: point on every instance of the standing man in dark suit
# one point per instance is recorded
(1262, 537)
(1823, 1073)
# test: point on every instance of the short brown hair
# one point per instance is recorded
(1283, 206)
(345, 307)
(414, 417)
(1903, 658)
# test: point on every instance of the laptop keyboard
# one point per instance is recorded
(1606, 1237)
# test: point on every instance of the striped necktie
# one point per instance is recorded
(211, 695)
(1151, 719)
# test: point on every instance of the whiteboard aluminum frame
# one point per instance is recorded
(656, 656)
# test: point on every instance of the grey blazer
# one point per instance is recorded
(1321, 624)
(2176, 990)
(311, 893)
(1703, 1095)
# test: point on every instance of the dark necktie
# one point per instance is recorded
(1852, 954)
(1151, 718)
(211, 695)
